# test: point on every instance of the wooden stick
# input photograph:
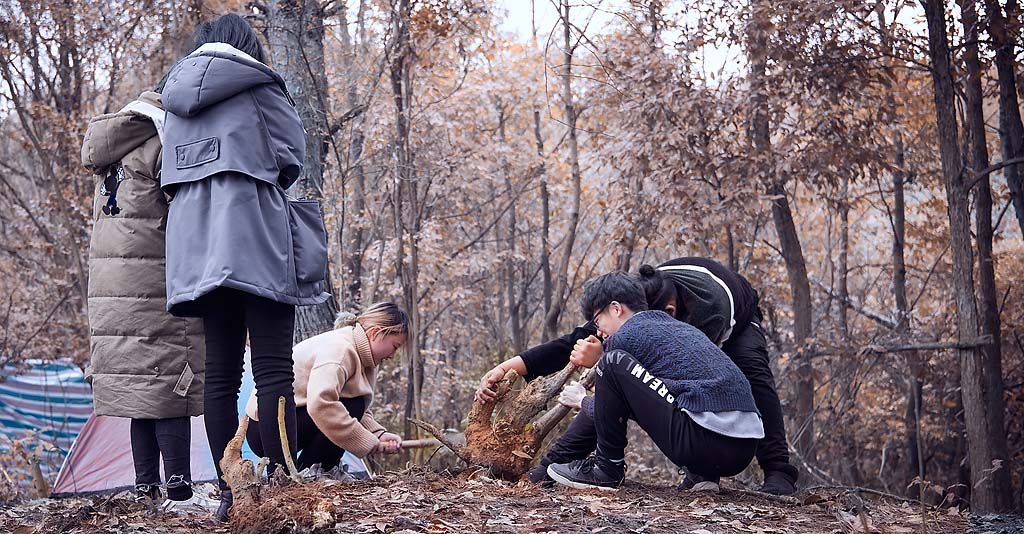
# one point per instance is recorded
(455, 448)
(420, 443)
(283, 432)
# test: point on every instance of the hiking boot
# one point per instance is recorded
(538, 474)
(593, 472)
(778, 483)
(226, 500)
(150, 491)
(695, 482)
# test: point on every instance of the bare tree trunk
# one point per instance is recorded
(295, 33)
(545, 239)
(355, 242)
(1011, 130)
(988, 307)
(789, 241)
(844, 254)
(562, 283)
(981, 450)
(898, 218)
(518, 337)
(406, 202)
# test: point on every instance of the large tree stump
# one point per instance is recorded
(505, 436)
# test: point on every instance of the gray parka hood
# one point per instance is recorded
(228, 112)
(213, 73)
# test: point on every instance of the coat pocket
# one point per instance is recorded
(309, 240)
(196, 153)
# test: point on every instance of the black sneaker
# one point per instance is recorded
(150, 491)
(778, 483)
(593, 472)
(538, 474)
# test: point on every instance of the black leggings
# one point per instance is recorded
(171, 438)
(313, 446)
(227, 316)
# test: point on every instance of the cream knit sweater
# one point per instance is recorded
(332, 366)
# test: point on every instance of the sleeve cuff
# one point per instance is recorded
(587, 406)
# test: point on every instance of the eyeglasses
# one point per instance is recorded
(599, 312)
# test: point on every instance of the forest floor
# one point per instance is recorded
(419, 500)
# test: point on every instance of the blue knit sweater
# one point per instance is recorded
(697, 373)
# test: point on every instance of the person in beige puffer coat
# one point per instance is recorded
(146, 364)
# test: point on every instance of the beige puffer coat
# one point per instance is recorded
(145, 363)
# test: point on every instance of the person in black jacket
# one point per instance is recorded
(705, 294)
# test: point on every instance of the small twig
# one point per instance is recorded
(864, 490)
(784, 499)
(283, 432)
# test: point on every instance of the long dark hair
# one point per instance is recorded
(233, 30)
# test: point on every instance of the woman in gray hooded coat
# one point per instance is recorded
(240, 253)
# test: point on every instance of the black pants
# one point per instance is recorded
(620, 396)
(228, 315)
(171, 438)
(748, 349)
(313, 446)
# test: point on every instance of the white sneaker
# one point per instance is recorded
(709, 486)
(199, 503)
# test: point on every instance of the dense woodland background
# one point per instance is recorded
(848, 157)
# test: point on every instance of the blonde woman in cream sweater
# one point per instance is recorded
(335, 374)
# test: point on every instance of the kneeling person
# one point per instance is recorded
(335, 373)
(672, 380)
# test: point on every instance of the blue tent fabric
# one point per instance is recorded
(44, 403)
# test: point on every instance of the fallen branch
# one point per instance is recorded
(439, 435)
(285, 448)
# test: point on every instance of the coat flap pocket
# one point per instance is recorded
(309, 241)
(197, 153)
(184, 381)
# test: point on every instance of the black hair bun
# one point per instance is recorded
(647, 271)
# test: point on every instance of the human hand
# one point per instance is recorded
(572, 395)
(389, 444)
(587, 352)
(485, 393)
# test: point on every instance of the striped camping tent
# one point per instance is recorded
(43, 403)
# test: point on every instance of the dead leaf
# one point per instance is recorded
(522, 454)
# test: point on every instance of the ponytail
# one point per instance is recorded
(658, 288)
(387, 316)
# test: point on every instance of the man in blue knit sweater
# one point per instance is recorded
(666, 375)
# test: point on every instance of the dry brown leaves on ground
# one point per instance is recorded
(421, 501)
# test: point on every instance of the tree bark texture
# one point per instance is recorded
(789, 240)
(988, 306)
(981, 449)
(1011, 129)
(295, 33)
(561, 285)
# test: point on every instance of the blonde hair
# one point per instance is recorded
(387, 316)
